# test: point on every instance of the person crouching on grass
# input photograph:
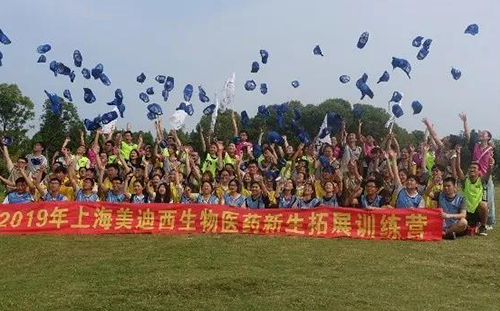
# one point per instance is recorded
(454, 208)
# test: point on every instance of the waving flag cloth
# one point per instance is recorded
(216, 111)
(227, 94)
(323, 127)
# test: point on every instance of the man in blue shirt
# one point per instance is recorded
(20, 195)
(454, 209)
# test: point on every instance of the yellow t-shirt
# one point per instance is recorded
(430, 203)
(125, 149)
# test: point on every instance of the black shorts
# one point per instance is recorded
(473, 218)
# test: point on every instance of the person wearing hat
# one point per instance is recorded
(36, 159)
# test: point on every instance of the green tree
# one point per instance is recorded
(54, 129)
(16, 111)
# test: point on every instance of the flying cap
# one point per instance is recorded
(1, 56)
(90, 125)
(334, 122)
(417, 41)
(141, 78)
(118, 94)
(416, 106)
(255, 67)
(151, 116)
(402, 64)
(3, 38)
(63, 69)
(6, 141)
(363, 39)
(160, 79)
(396, 97)
(55, 103)
(264, 55)
(88, 96)
(144, 97)
(42, 59)
(456, 73)
(44, 48)
(188, 92)
(164, 94)
(155, 108)
(77, 58)
(317, 51)
(250, 85)
(245, 120)
(344, 79)
(397, 110)
(384, 77)
(472, 29)
(72, 76)
(422, 53)
(67, 95)
(150, 91)
(109, 117)
(304, 138)
(169, 83)
(263, 88)
(104, 79)
(121, 109)
(427, 44)
(274, 137)
(202, 95)
(53, 67)
(363, 87)
(357, 111)
(86, 73)
(189, 109)
(209, 110)
(263, 111)
(97, 71)
(295, 84)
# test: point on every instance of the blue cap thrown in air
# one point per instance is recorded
(209, 110)
(422, 53)
(456, 73)
(53, 67)
(3, 38)
(396, 97)
(263, 88)
(417, 41)
(384, 77)
(397, 110)
(164, 94)
(189, 109)
(121, 109)
(155, 108)
(44, 48)
(263, 111)
(324, 132)
(169, 83)
(141, 78)
(1, 56)
(427, 44)
(86, 73)
(6, 141)
(402, 64)
(77, 58)
(67, 95)
(42, 59)
(264, 55)
(160, 79)
(203, 95)
(472, 29)
(344, 79)
(295, 84)
(104, 79)
(304, 138)
(245, 120)
(109, 117)
(255, 67)
(317, 51)
(118, 94)
(151, 116)
(63, 69)
(90, 125)
(55, 103)
(274, 137)
(334, 122)
(363, 39)
(150, 91)
(363, 87)
(417, 107)
(182, 106)
(188, 92)
(250, 85)
(357, 111)
(144, 97)
(88, 96)
(97, 71)
(72, 76)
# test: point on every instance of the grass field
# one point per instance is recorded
(218, 272)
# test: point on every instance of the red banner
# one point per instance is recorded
(98, 218)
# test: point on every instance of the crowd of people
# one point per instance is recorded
(351, 170)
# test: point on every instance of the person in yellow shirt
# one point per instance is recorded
(435, 184)
(127, 145)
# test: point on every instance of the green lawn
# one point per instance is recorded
(206, 272)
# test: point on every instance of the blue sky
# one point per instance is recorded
(203, 42)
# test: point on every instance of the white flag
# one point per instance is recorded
(214, 114)
(228, 93)
(324, 125)
(177, 119)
